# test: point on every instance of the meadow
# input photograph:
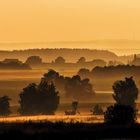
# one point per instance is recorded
(13, 81)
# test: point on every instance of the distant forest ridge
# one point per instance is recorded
(70, 55)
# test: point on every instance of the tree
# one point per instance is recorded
(120, 114)
(59, 60)
(33, 60)
(81, 60)
(78, 89)
(51, 75)
(125, 92)
(124, 111)
(4, 106)
(39, 99)
(84, 73)
(57, 79)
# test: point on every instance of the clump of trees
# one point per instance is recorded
(39, 99)
(71, 87)
(120, 114)
(81, 60)
(33, 60)
(84, 73)
(4, 106)
(60, 60)
(77, 88)
(124, 110)
(125, 92)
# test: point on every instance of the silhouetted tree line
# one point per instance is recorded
(110, 71)
(71, 55)
(44, 99)
(14, 65)
(37, 60)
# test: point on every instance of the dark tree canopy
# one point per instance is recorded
(125, 92)
(57, 79)
(39, 99)
(78, 89)
(84, 73)
(70, 87)
(120, 114)
(124, 111)
(34, 60)
(4, 106)
(60, 60)
(81, 60)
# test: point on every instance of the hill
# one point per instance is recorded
(71, 55)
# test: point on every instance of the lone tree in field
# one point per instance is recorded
(81, 60)
(34, 60)
(125, 92)
(39, 99)
(124, 111)
(60, 60)
(4, 106)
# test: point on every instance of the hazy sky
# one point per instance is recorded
(68, 20)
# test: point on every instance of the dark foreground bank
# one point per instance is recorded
(68, 131)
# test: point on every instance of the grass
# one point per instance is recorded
(62, 130)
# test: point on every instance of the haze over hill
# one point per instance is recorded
(119, 47)
(71, 55)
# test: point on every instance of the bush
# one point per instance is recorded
(4, 106)
(39, 99)
(120, 114)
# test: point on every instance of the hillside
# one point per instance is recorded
(71, 55)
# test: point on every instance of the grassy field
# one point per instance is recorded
(12, 83)
(69, 131)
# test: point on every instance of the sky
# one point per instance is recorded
(68, 20)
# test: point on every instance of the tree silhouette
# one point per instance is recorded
(125, 92)
(51, 76)
(39, 99)
(81, 60)
(34, 60)
(120, 114)
(4, 106)
(124, 111)
(57, 79)
(59, 60)
(28, 100)
(84, 73)
(78, 89)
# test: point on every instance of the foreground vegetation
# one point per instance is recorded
(70, 131)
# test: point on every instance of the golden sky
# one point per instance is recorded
(68, 20)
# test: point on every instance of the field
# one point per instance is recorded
(69, 131)
(12, 83)
(81, 126)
